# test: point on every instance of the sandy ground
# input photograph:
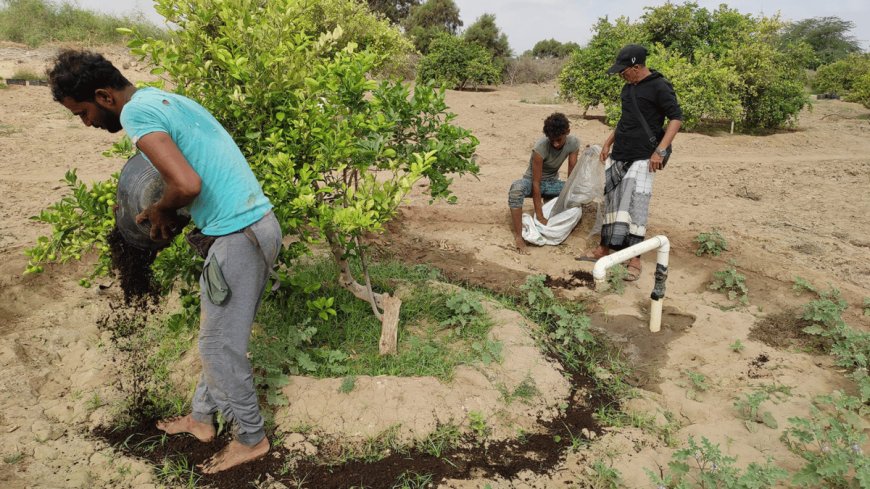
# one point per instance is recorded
(811, 218)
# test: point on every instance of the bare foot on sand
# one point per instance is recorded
(520, 243)
(234, 454)
(186, 424)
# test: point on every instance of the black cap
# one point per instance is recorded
(630, 55)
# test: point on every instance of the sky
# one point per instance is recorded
(528, 21)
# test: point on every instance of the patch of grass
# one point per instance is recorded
(374, 448)
(610, 416)
(6, 129)
(26, 74)
(413, 480)
(732, 283)
(94, 403)
(444, 438)
(65, 22)
(867, 306)
(711, 243)
(347, 384)
(524, 391)
(178, 472)
(438, 330)
(13, 458)
(554, 100)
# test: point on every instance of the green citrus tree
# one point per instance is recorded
(724, 64)
(335, 150)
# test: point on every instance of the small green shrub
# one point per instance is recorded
(616, 278)
(712, 243)
(731, 283)
(737, 346)
(455, 63)
(841, 76)
(704, 466)
(466, 310)
(479, 427)
(861, 91)
(867, 306)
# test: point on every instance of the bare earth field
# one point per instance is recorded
(794, 203)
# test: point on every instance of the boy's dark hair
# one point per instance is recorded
(556, 125)
(78, 74)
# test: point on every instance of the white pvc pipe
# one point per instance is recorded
(599, 272)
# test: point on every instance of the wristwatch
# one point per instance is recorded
(662, 152)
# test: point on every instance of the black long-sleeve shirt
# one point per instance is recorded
(657, 100)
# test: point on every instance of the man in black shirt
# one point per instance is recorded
(637, 152)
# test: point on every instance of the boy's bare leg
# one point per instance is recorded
(236, 453)
(517, 220)
(186, 424)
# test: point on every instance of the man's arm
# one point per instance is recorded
(537, 173)
(605, 148)
(572, 161)
(182, 184)
(655, 161)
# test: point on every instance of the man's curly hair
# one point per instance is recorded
(556, 125)
(78, 74)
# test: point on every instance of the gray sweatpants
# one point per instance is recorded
(227, 381)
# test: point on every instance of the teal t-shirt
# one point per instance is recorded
(230, 198)
(553, 158)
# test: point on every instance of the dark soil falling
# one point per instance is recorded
(133, 267)
(127, 319)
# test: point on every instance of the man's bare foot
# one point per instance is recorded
(234, 454)
(520, 243)
(186, 424)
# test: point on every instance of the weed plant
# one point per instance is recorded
(732, 283)
(704, 466)
(831, 441)
(712, 243)
(616, 279)
(697, 384)
(850, 347)
(604, 476)
(737, 346)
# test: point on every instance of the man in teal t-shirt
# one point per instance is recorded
(203, 169)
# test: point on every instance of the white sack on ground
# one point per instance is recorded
(584, 185)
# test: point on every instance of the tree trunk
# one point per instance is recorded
(384, 306)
